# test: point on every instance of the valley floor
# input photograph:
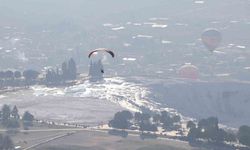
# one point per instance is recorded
(75, 139)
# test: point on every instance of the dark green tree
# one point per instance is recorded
(14, 113)
(1, 141)
(142, 117)
(65, 71)
(157, 118)
(176, 118)
(147, 126)
(72, 70)
(145, 117)
(244, 135)
(53, 77)
(1, 115)
(165, 117)
(223, 135)
(2, 75)
(209, 128)
(5, 114)
(137, 117)
(9, 74)
(170, 121)
(27, 119)
(13, 123)
(126, 114)
(230, 137)
(30, 75)
(193, 134)
(121, 120)
(191, 125)
(17, 74)
(119, 123)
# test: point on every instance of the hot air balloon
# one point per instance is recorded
(211, 38)
(101, 50)
(188, 71)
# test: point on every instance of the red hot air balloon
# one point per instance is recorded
(211, 38)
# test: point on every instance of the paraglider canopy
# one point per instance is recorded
(96, 57)
(101, 50)
(188, 71)
(211, 38)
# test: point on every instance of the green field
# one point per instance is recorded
(89, 139)
(93, 140)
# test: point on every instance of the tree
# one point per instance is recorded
(209, 128)
(244, 135)
(65, 71)
(52, 77)
(138, 117)
(121, 120)
(145, 117)
(157, 118)
(170, 121)
(223, 135)
(2, 75)
(30, 74)
(17, 74)
(176, 118)
(147, 126)
(165, 117)
(14, 113)
(27, 119)
(191, 125)
(230, 137)
(9, 74)
(127, 114)
(5, 114)
(1, 141)
(69, 70)
(119, 123)
(13, 123)
(193, 134)
(142, 117)
(1, 115)
(72, 69)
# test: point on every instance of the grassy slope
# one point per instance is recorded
(102, 141)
